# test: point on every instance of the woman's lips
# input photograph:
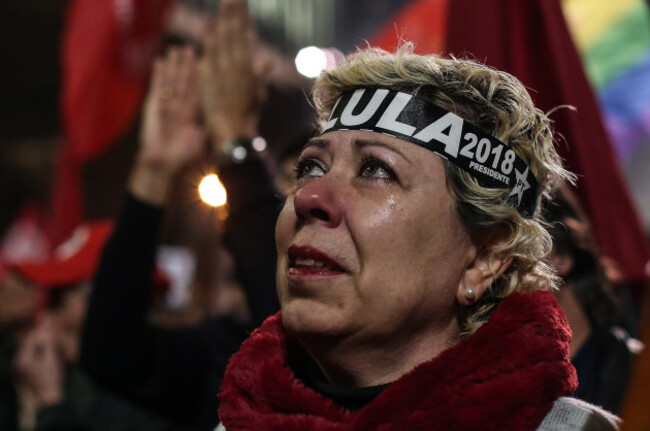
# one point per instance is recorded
(308, 261)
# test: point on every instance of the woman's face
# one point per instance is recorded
(369, 246)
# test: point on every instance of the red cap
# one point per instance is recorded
(72, 262)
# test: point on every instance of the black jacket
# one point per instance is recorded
(177, 373)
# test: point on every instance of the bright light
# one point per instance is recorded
(212, 191)
(311, 61)
(259, 144)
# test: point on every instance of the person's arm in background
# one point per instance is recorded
(120, 350)
(177, 373)
(232, 94)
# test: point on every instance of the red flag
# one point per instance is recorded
(530, 40)
(107, 50)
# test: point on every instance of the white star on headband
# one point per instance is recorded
(521, 186)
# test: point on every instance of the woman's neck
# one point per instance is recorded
(350, 363)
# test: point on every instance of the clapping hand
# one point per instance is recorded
(232, 86)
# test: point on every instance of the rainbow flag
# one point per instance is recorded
(613, 38)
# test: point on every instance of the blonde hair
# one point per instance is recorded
(497, 103)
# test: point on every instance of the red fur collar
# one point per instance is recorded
(505, 376)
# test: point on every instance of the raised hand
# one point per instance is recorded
(232, 87)
(170, 135)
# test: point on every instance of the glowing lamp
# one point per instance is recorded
(212, 191)
(311, 61)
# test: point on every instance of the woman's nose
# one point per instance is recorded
(318, 201)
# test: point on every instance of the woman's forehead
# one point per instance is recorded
(358, 140)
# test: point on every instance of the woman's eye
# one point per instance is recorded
(309, 168)
(376, 169)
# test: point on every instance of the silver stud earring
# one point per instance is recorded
(470, 294)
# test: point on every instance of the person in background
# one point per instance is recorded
(176, 374)
(48, 391)
(601, 349)
(18, 304)
(18, 300)
(42, 311)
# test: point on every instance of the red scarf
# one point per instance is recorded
(505, 376)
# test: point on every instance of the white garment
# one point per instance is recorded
(572, 414)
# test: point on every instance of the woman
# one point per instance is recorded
(410, 269)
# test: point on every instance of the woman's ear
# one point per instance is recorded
(486, 267)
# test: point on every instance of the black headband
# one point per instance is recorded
(490, 161)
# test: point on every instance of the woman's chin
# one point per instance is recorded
(306, 317)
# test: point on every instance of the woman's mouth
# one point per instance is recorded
(309, 261)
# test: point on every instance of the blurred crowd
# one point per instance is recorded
(100, 334)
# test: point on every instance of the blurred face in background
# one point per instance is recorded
(21, 301)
